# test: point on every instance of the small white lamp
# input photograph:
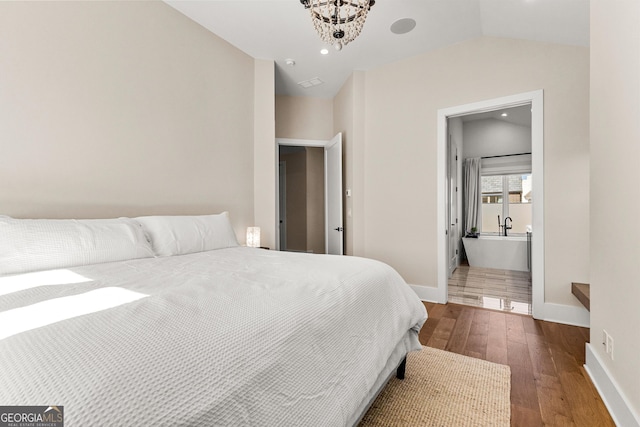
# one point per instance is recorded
(253, 237)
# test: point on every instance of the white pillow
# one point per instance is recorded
(177, 235)
(41, 244)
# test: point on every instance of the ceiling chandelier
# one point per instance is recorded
(338, 22)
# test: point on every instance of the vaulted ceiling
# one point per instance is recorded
(282, 30)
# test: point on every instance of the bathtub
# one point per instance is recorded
(492, 251)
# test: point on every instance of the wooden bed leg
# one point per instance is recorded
(401, 369)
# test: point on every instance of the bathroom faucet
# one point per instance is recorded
(507, 227)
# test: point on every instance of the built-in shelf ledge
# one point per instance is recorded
(581, 291)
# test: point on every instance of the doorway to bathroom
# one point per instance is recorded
(490, 155)
(497, 207)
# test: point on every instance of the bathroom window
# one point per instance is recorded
(516, 190)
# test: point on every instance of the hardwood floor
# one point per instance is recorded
(549, 386)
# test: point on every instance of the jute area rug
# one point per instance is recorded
(444, 389)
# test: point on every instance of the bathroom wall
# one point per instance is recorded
(493, 137)
(456, 132)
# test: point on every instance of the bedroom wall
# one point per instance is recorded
(304, 118)
(615, 207)
(348, 118)
(402, 101)
(122, 108)
(264, 151)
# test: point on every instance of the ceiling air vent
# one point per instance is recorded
(311, 82)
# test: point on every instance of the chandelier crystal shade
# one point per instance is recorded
(338, 22)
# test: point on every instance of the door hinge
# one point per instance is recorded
(456, 252)
(456, 157)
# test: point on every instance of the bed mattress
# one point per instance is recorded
(236, 336)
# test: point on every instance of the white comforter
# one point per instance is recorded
(229, 337)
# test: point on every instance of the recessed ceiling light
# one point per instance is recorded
(403, 26)
(290, 62)
(504, 114)
(324, 51)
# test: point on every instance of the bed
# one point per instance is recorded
(168, 321)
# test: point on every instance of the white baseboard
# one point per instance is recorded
(426, 293)
(566, 314)
(617, 404)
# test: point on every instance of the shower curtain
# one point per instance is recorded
(472, 194)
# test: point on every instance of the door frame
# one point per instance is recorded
(282, 217)
(328, 228)
(298, 143)
(453, 234)
(536, 99)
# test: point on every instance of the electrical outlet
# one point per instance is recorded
(607, 342)
(610, 346)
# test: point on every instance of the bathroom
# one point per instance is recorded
(496, 205)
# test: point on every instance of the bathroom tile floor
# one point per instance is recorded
(504, 290)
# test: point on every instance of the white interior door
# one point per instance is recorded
(334, 231)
